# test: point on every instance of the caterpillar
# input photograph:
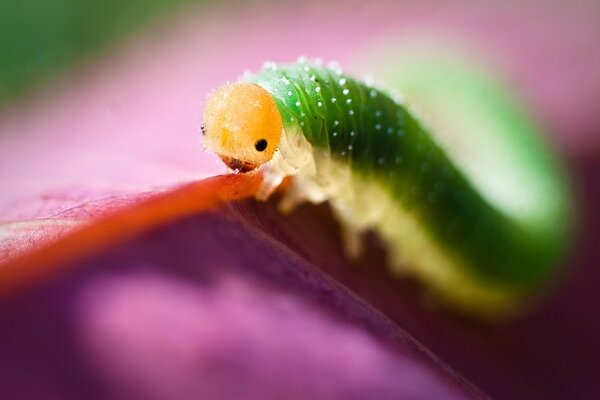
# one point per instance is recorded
(479, 244)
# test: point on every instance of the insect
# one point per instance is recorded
(479, 244)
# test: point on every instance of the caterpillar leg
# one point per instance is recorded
(292, 198)
(353, 241)
(271, 181)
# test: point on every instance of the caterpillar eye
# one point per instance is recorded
(203, 129)
(260, 145)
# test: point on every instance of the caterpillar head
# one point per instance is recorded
(242, 125)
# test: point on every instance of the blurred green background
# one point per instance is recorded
(38, 38)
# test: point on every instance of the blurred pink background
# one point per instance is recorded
(127, 121)
(139, 104)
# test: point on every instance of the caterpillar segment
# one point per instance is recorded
(380, 168)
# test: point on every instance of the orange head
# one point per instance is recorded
(242, 125)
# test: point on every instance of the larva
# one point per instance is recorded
(352, 144)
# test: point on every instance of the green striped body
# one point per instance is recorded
(479, 255)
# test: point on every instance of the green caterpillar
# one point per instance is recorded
(476, 246)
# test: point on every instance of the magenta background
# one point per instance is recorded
(127, 122)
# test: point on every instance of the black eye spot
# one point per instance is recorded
(260, 145)
(203, 129)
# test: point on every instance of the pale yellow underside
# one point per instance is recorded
(362, 205)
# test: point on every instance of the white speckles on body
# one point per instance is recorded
(400, 117)
(270, 65)
(344, 130)
(369, 120)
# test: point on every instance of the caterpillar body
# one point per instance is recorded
(352, 144)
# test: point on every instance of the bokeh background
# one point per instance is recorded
(100, 98)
